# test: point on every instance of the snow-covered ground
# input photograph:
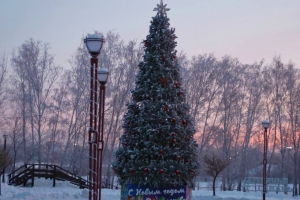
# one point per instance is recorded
(43, 190)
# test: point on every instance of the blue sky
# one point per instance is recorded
(249, 30)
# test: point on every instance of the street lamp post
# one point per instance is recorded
(94, 45)
(265, 125)
(102, 78)
(3, 172)
(288, 161)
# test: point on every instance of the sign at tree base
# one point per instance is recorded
(133, 192)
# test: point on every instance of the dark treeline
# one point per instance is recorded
(44, 108)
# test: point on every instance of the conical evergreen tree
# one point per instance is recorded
(157, 147)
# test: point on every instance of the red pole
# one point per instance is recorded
(95, 60)
(90, 135)
(101, 131)
(93, 133)
(265, 165)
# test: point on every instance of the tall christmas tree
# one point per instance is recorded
(157, 147)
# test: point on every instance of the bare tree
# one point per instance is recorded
(16, 138)
(34, 74)
(231, 100)
(252, 109)
(70, 112)
(203, 92)
(214, 166)
(275, 77)
(122, 61)
(3, 82)
(292, 139)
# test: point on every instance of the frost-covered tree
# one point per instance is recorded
(33, 78)
(157, 147)
(3, 86)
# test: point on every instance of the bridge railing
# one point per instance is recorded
(27, 171)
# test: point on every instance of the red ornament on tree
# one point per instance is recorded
(178, 157)
(161, 152)
(174, 56)
(145, 42)
(174, 37)
(177, 172)
(161, 171)
(176, 84)
(173, 134)
(174, 141)
(179, 93)
(166, 108)
(164, 82)
(174, 120)
(146, 170)
(183, 122)
(163, 57)
(132, 171)
(115, 170)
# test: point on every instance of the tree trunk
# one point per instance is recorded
(214, 185)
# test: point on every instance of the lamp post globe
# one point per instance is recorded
(265, 124)
(103, 74)
(94, 43)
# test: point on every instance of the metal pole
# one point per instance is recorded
(90, 135)
(93, 132)
(265, 165)
(3, 172)
(100, 142)
(96, 130)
